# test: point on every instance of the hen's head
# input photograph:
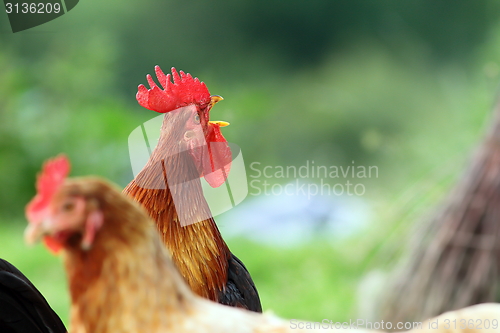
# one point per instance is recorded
(66, 212)
(186, 103)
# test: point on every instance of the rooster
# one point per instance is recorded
(169, 188)
(23, 309)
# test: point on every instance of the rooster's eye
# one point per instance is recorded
(68, 206)
(196, 118)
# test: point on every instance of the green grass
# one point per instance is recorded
(313, 281)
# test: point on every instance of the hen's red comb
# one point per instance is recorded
(49, 181)
(184, 90)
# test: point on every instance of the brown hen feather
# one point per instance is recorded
(124, 283)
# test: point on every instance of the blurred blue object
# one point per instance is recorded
(288, 220)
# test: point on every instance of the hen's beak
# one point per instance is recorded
(34, 232)
(219, 122)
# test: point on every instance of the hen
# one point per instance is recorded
(23, 309)
(122, 279)
(169, 188)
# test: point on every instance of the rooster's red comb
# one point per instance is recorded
(48, 183)
(182, 91)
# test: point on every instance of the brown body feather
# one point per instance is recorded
(197, 249)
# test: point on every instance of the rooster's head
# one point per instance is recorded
(186, 103)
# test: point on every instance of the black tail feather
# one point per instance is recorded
(240, 290)
(22, 307)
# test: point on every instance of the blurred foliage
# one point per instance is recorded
(404, 85)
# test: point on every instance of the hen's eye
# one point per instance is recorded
(197, 118)
(68, 206)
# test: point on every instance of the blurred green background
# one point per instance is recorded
(407, 86)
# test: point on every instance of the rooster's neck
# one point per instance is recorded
(169, 188)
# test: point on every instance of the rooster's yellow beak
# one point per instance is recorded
(215, 99)
(219, 122)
